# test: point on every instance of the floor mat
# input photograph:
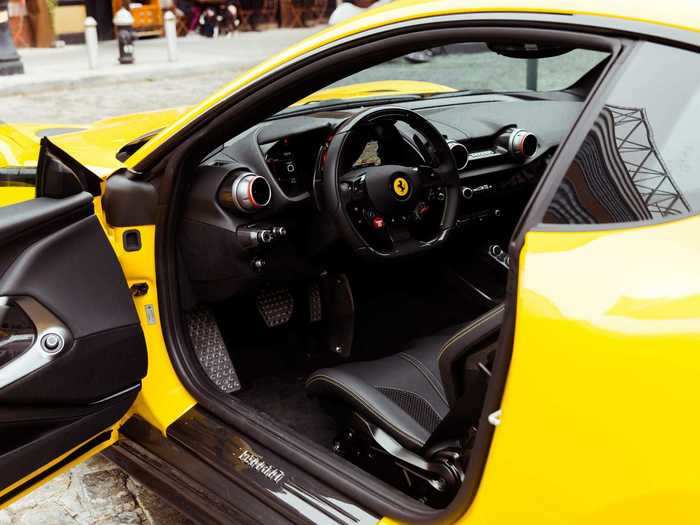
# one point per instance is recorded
(285, 401)
(273, 364)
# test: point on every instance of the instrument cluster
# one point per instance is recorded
(292, 160)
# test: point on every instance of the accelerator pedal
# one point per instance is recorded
(315, 305)
(211, 350)
(275, 306)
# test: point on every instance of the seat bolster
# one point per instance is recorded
(370, 402)
(469, 338)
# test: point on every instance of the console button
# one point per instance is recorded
(378, 222)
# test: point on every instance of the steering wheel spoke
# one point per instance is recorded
(427, 174)
(398, 231)
(353, 186)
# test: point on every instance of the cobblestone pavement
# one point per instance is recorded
(67, 68)
(94, 493)
(86, 104)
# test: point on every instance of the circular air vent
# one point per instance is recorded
(247, 192)
(460, 154)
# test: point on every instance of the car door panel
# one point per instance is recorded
(36, 218)
(36, 445)
(94, 303)
(58, 268)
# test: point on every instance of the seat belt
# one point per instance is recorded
(465, 412)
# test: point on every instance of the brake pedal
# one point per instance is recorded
(315, 307)
(211, 350)
(275, 306)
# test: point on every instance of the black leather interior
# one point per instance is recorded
(56, 252)
(40, 212)
(407, 394)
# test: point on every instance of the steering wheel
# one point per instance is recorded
(396, 209)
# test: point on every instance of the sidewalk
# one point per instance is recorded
(66, 68)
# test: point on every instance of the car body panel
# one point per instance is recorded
(597, 414)
(163, 398)
(15, 194)
(93, 145)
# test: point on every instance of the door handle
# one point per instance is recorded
(50, 338)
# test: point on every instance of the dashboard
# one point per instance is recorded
(253, 209)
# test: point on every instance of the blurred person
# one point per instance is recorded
(230, 20)
(207, 25)
(218, 20)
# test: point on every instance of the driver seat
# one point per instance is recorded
(407, 395)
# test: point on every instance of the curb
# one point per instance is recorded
(96, 78)
(199, 56)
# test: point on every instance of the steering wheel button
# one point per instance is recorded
(378, 222)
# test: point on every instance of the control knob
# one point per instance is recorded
(258, 264)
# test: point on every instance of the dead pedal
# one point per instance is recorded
(275, 306)
(211, 350)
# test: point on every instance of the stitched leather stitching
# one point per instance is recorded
(469, 328)
(425, 372)
(366, 405)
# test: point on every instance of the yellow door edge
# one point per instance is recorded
(40, 476)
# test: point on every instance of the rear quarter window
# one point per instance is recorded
(640, 160)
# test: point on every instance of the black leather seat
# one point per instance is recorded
(409, 393)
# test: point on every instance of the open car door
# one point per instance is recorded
(72, 352)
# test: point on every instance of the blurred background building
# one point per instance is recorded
(48, 23)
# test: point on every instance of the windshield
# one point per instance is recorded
(459, 68)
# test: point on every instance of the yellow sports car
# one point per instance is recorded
(358, 286)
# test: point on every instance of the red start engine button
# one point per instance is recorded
(378, 222)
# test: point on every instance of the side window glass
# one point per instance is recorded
(18, 153)
(17, 184)
(640, 160)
